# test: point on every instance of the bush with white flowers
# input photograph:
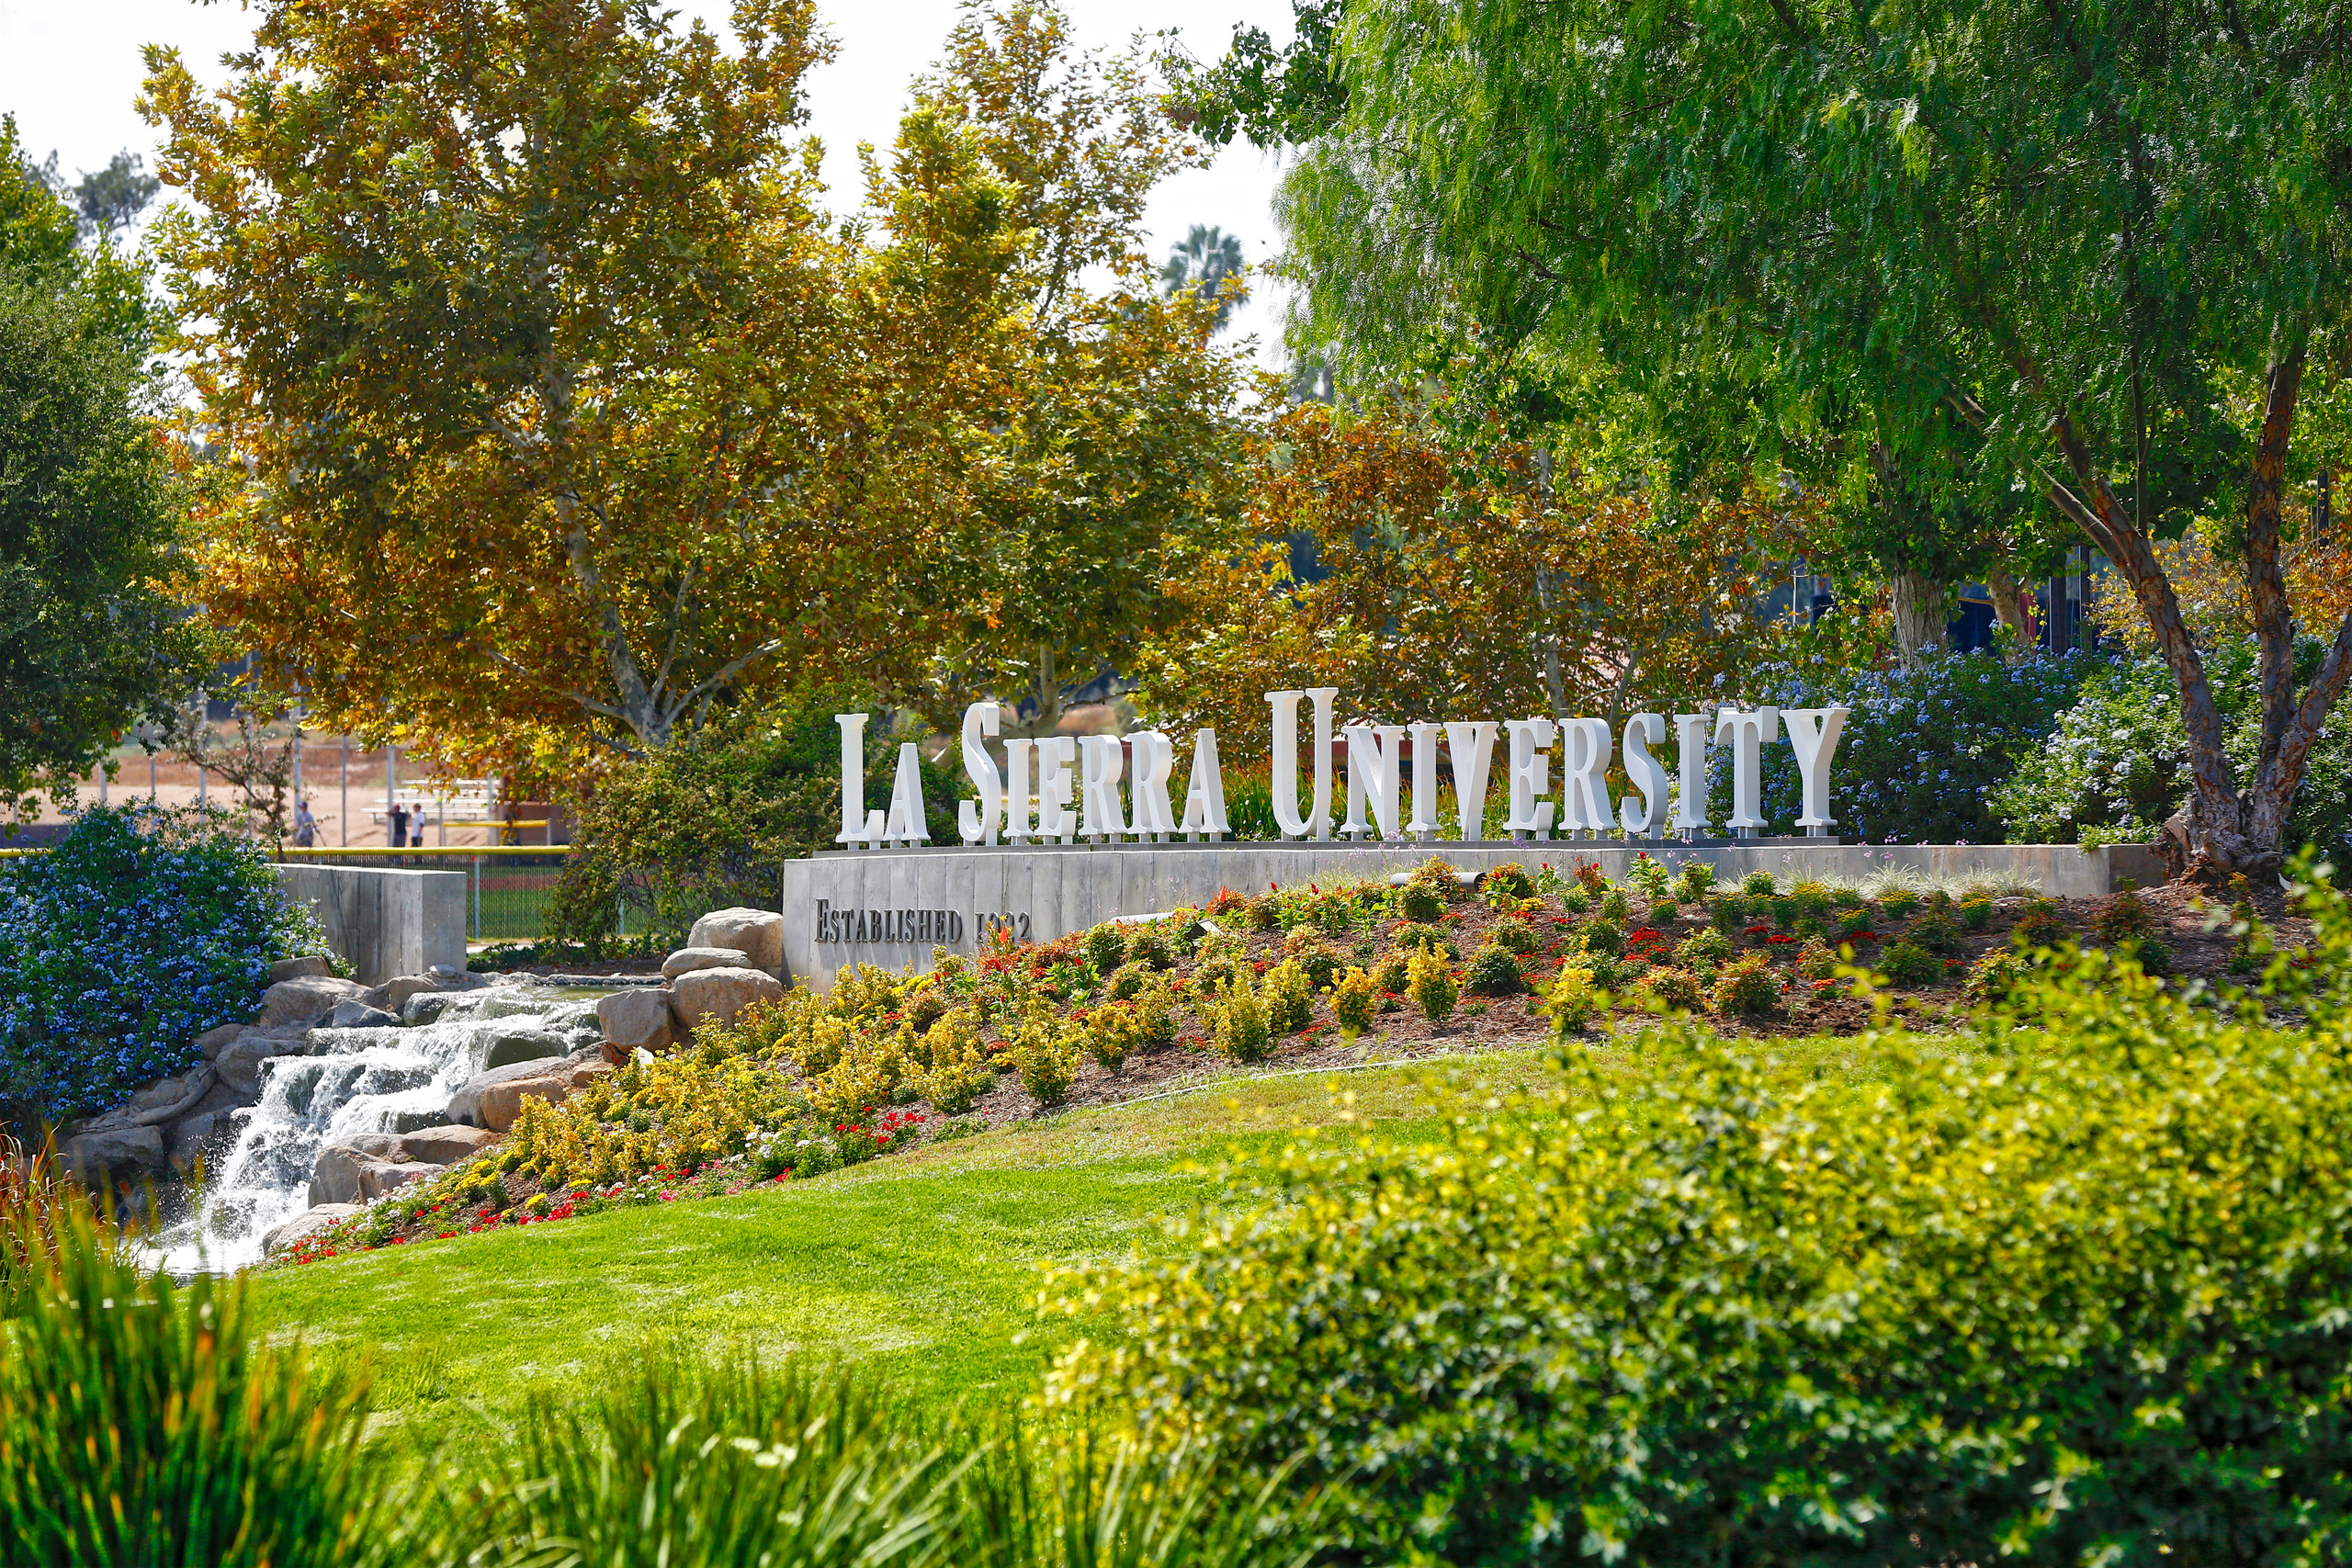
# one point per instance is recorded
(142, 929)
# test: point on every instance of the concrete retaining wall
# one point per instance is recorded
(386, 922)
(891, 907)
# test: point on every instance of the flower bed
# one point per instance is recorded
(1301, 978)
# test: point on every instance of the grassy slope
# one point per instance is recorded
(928, 1263)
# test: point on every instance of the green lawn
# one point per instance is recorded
(927, 1264)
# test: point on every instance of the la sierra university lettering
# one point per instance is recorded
(1061, 788)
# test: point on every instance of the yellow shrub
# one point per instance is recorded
(1046, 1055)
(868, 1068)
(1431, 984)
(1355, 1001)
(1241, 1025)
(1290, 997)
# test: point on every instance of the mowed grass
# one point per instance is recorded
(926, 1265)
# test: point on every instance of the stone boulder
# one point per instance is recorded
(758, 934)
(299, 968)
(305, 1000)
(335, 1174)
(378, 1177)
(425, 1007)
(317, 1218)
(240, 1065)
(511, 1045)
(193, 1135)
(495, 1098)
(446, 1144)
(356, 1014)
(112, 1153)
(212, 1041)
(689, 959)
(719, 993)
(636, 1018)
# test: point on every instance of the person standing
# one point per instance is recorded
(398, 837)
(305, 827)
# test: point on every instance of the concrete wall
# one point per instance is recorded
(386, 922)
(901, 903)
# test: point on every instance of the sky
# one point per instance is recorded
(70, 69)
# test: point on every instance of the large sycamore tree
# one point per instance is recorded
(555, 387)
(2098, 253)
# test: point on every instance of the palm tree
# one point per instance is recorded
(1201, 262)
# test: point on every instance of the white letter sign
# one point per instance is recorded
(976, 819)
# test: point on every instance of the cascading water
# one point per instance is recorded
(338, 1084)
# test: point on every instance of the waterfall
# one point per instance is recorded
(338, 1084)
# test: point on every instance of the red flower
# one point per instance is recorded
(1758, 929)
(1779, 940)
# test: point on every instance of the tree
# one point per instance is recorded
(1449, 583)
(566, 409)
(2056, 229)
(1207, 261)
(1100, 434)
(92, 503)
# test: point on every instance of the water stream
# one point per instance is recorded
(340, 1083)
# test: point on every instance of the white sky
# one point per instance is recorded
(69, 69)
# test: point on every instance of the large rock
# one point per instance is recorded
(758, 934)
(425, 1007)
(511, 1045)
(299, 968)
(635, 1019)
(495, 1098)
(317, 1218)
(446, 1144)
(356, 1014)
(304, 999)
(240, 1065)
(378, 1176)
(719, 993)
(689, 959)
(191, 1136)
(110, 1152)
(212, 1041)
(335, 1174)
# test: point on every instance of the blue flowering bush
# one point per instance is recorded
(142, 929)
(2116, 763)
(1925, 750)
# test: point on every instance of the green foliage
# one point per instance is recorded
(1420, 902)
(1603, 936)
(1908, 963)
(1513, 935)
(1492, 972)
(1815, 962)
(1975, 913)
(1705, 950)
(1693, 882)
(707, 823)
(1508, 881)
(1431, 984)
(2038, 926)
(143, 927)
(1936, 930)
(1393, 974)
(1665, 912)
(1105, 946)
(1150, 945)
(1669, 991)
(1615, 905)
(92, 511)
(1747, 988)
(1757, 884)
(1706, 1239)
(145, 1421)
(1412, 938)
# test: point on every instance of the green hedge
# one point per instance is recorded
(2077, 1288)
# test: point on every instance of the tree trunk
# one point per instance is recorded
(1921, 614)
(1047, 688)
(2009, 607)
